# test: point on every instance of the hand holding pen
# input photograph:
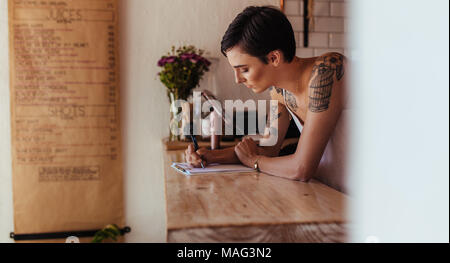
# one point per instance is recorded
(193, 154)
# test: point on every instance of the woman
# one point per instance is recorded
(260, 46)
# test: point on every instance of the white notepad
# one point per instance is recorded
(186, 169)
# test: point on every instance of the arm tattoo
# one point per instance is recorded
(273, 111)
(322, 81)
(278, 90)
(290, 100)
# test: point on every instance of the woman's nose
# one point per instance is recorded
(238, 78)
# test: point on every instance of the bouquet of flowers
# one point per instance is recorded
(182, 70)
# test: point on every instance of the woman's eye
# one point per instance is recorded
(244, 70)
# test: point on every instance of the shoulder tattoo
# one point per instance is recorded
(322, 80)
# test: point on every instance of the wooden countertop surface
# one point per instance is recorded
(246, 199)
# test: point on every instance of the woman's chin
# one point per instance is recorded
(258, 89)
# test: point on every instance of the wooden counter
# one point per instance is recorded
(249, 207)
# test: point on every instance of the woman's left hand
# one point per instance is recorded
(247, 151)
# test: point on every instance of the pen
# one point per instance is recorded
(180, 168)
(196, 147)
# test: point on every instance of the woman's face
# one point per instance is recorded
(249, 70)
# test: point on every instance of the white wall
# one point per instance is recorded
(400, 153)
(6, 210)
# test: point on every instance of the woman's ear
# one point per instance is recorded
(274, 57)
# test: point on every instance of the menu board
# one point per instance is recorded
(65, 125)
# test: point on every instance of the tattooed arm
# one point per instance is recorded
(325, 105)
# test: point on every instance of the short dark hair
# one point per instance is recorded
(259, 30)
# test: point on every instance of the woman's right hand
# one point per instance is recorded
(195, 158)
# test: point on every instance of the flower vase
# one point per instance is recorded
(179, 118)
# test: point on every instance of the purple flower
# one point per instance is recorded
(164, 60)
(203, 60)
(187, 56)
(194, 58)
(170, 59)
(161, 62)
